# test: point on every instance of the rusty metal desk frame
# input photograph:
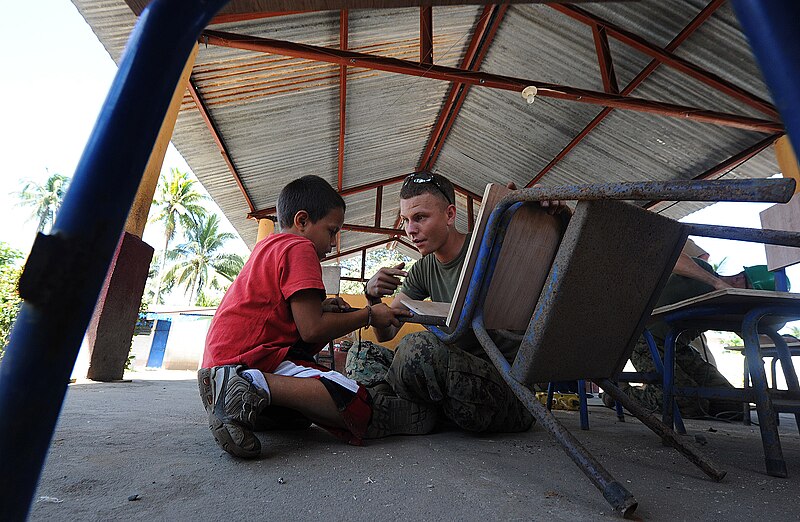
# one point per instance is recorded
(749, 315)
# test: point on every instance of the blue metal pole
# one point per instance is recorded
(668, 415)
(771, 27)
(584, 405)
(66, 269)
(773, 455)
(656, 356)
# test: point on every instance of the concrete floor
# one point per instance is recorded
(149, 438)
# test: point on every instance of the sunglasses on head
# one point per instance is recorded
(426, 177)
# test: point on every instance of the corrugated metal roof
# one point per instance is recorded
(279, 116)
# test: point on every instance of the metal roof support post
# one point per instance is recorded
(66, 269)
(771, 29)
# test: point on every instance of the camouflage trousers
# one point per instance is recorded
(470, 391)
(690, 370)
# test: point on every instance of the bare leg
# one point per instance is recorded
(308, 396)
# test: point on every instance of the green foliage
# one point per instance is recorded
(375, 260)
(8, 255)
(143, 325)
(718, 266)
(732, 340)
(177, 202)
(45, 199)
(129, 363)
(199, 261)
(792, 330)
(205, 300)
(9, 294)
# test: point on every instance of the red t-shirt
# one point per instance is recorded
(254, 324)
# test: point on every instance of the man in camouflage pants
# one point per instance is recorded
(460, 379)
(690, 278)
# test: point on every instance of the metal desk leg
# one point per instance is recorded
(651, 343)
(668, 416)
(620, 411)
(746, 381)
(773, 455)
(787, 366)
(584, 406)
(613, 491)
(667, 435)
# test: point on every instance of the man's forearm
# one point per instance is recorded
(688, 268)
(385, 334)
(371, 299)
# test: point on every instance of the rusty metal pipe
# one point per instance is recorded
(753, 235)
(763, 190)
(614, 492)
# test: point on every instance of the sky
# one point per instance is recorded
(59, 75)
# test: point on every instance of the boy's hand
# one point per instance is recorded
(383, 316)
(335, 304)
(385, 281)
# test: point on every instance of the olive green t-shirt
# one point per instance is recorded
(430, 278)
(679, 288)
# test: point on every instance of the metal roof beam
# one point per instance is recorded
(729, 164)
(360, 248)
(670, 59)
(343, 34)
(482, 37)
(373, 230)
(238, 7)
(262, 213)
(378, 204)
(244, 17)
(223, 149)
(426, 34)
(604, 59)
(452, 74)
(687, 31)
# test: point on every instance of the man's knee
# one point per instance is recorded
(419, 369)
(367, 363)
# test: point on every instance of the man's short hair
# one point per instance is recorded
(426, 182)
(310, 193)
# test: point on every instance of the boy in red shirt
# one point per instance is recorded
(258, 369)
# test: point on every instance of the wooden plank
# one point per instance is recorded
(491, 196)
(430, 308)
(745, 297)
(782, 217)
(528, 250)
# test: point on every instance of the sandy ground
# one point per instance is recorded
(148, 440)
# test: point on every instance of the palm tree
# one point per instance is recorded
(177, 201)
(45, 199)
(201, 260)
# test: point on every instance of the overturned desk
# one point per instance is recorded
(748, 312)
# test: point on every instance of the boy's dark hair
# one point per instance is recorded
(426, 182)
(310, 193)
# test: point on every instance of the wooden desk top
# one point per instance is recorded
(741, 300)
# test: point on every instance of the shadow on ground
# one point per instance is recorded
(148, 440)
